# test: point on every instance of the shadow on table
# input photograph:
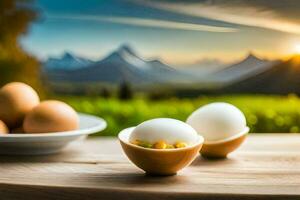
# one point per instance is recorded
(202, 161)
(130, 179)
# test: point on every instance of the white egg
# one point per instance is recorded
(168, 130)
(217, 121)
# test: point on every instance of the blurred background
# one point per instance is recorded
(132, 60)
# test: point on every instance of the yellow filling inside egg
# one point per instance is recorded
(159, 144)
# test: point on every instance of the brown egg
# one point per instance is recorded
(16, 100)
(51, 116)
(3, 128)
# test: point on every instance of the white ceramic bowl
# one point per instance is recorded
(47, 143)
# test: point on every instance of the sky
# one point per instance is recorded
(178, 32)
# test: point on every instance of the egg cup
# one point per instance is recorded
(159, 161)
(221, 148)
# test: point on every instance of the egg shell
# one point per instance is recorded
(16, 100)
(168, 130)
(51, 116)
(217, 121)
(3, 128)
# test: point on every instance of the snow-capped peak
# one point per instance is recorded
(126, 49)
(251, 57)
(126, 54)
(67, 61)
(67, 55)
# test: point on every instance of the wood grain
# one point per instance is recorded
(265, 167)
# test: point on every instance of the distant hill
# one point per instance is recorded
(204, 66)
(280, 78)
(248, 67)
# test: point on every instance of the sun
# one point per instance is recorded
(297, 48)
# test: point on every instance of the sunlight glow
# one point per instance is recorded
(297, 48)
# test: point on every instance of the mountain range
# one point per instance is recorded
(248, 67)
(283, 77)
(67, 62)
(122, 65)
(125, 65)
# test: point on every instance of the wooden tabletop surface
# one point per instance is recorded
(265, 167)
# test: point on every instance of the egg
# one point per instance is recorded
(3, 128)
(217, 121)
(16, 100)
(51, 116)
(170, 131)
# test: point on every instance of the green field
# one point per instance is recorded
(265, 114)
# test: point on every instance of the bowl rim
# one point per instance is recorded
(101, 125)
(240, 134)
(129, 130)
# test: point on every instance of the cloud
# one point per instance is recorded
(275, 15)
(147, 22)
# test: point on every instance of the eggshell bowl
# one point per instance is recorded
(159, 161)
(221, 148)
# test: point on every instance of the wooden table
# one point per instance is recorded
(265, 167)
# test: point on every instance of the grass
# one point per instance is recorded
(265, 114)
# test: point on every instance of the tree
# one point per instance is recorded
(105, 93)
(125, 91)
(15, 63)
